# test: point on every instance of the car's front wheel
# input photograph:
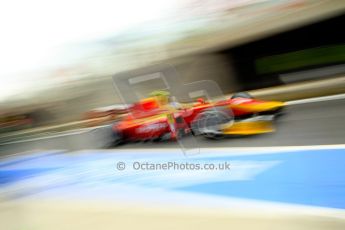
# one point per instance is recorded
(208, 123)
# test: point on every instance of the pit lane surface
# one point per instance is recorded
(280, 189)
(312, 122)
(315, 123)
(304, 187)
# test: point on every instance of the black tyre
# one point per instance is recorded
(117, 138)
(208, 122)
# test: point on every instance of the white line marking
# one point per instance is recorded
(213, 152)
(15, 156)
(53, 135)
(316, 99)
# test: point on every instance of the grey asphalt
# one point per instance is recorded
(317, 123)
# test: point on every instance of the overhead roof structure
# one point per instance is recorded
(195, 27)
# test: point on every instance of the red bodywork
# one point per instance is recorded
(147, 120)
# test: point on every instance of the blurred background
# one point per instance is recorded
(58, 102)
(58, 58)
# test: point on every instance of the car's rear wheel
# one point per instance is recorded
(117, 138)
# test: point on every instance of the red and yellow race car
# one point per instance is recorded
(156, 118)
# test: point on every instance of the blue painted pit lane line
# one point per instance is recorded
(12, 176)
(313, 177)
